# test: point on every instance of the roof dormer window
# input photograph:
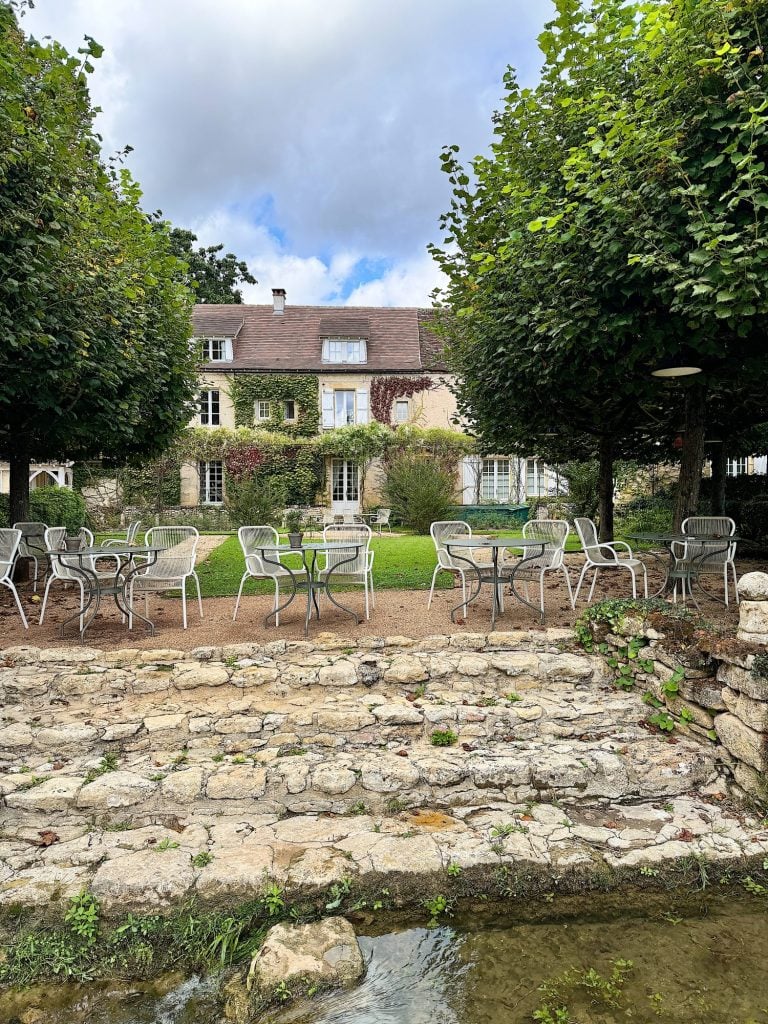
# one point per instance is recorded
(216, 350)
(345, 350)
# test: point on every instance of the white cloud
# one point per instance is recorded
(324, 121)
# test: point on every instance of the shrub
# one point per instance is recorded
(254, 500)
(754, 519)
(644, 515)
(5, 510)
(583, 484)
(58, 506)
(419, 491)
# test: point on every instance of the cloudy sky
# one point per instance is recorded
(303, 134)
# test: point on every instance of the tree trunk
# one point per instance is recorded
(19, 496)
(719, 460)
(689, 480)
(605, 489)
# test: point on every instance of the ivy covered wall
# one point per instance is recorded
(384, 390)
(276, 388)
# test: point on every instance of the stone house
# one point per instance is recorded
(307, 369)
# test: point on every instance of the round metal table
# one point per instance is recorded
(688, 574)
(312, 581)
(491, 573)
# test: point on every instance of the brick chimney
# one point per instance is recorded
(278, 301)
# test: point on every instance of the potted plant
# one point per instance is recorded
(293, 523)
(73, 541)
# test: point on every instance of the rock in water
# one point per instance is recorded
(325, 954)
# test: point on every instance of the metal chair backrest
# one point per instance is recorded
(55, 540)
(554, 533)
(444, 530)
(716, 527)
(382, 516)
(9, 547)
(338, 534)
(587, 532)
(178, 557)
(133, 529)
(32, 544)
(253, 540)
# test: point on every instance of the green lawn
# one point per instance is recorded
(400, 563)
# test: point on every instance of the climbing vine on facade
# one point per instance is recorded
(276, 389)
(384, 390)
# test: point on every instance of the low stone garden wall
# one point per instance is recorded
(696, 682)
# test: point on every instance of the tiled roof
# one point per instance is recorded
(398, 339)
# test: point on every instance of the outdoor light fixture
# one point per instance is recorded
(670, 368)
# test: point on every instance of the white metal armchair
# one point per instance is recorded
(707, 557)
(254, 540)
(553, 533)
(9, 548)
(606, 556)
(381, 519)
(442, 532)
(130, 536)
(32, 545)
(174, 566)
(339, 562)
(55, 537)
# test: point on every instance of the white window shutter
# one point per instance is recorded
(471, 468)
(228, 350)
(327, 408)
(362, 406)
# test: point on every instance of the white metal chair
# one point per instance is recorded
(9, 550)
(442, 532)
(55, 537)
(32, 545)
(358, 571)
(130, 536)
(254, 540)
(174, 566)
(605, 556)
(553, 533)
(692, 556)
(381, 519)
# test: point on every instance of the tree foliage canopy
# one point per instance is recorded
(212, 277)
(620, 220)
(94, 313)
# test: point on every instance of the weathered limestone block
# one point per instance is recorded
(697, 714)
(188, 676)
(183, 787)
(517, 663)
(255, 675)
(405, 669)
(568, 667)
(54, 794)
(325, 953)
(241, 783)
(753, 622)
(164, 723)
(753, 586)
(162, 656)
(751, 781)
(340, 673)
(292, 772)
(706, 692)
(67, 655)
(397, 714)
(66, 736)
(115, 789)
(145, 880)
(15, 736)
(333, 779)
(472, 665)
(343, 721)
(247, 724)
(121, 731)
(744, 743)
(742, 680)
(150, 680)
(753, 713)
(237, 873)
(389, 774)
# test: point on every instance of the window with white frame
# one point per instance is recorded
(533, 478)
(261, 409)
(494, 484)
(736, 467)
(345, 350)
(216, 350)
(401, 410)
(211, 482)
(344, 406)
(289, 410)
(210, 409)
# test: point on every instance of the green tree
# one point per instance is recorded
(213, 278)
(594, 242)
(94, 315)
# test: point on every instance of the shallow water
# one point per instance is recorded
(707, 965)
